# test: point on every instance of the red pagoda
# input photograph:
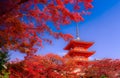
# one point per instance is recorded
(78, 50)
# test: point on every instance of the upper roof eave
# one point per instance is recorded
(78, 42)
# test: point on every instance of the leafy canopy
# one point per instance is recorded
(23, 23)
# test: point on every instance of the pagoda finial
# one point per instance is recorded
(77, 33)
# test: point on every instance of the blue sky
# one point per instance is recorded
(101, 27)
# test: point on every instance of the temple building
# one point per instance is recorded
(78, 49)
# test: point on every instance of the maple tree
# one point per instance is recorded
(24, 22)
(105, 68)
(50, 65)
(54, 66)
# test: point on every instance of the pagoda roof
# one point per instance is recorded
(81, 53)
(75, 43)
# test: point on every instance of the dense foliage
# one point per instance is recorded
(48, 66)
(24, 22)
(54, 66)
(105, 68)
(4, 57)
